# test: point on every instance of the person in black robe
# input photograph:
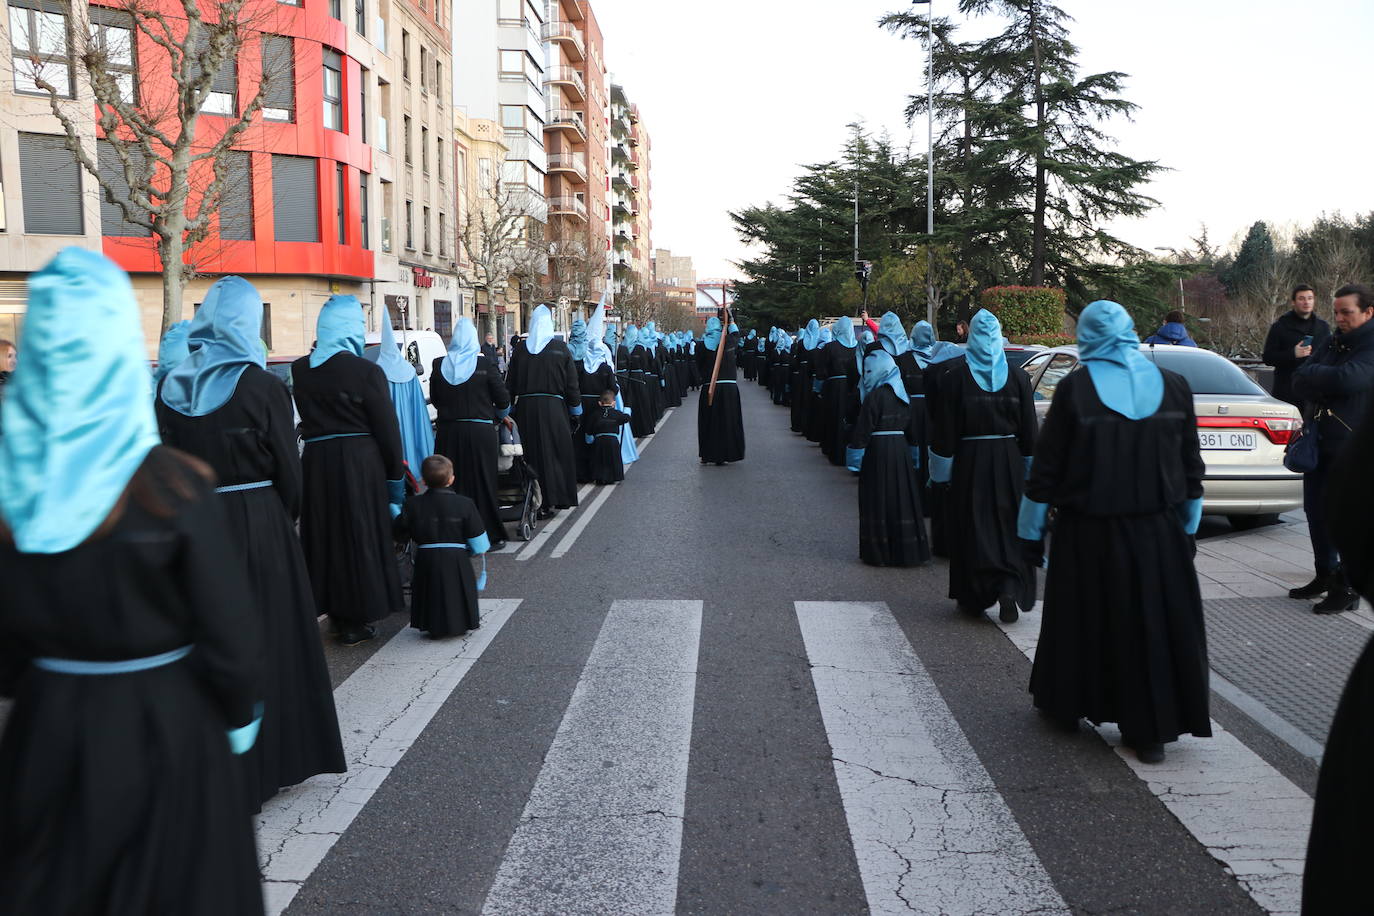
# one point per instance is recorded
(884, 449)
(448, 532)
(720, 422)
(981, 447)
(801, 374)
(221, 405)
(640, 404)
(839, 369)
(593, 382)
(470, 398)
(1123, 638)
(547, 403)
(672, 397)
(353, 470)
(937, 492)
(125, 640)
(815, 412)
(653, 372)
(602, 430)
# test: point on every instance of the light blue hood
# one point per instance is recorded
(461, 360)
(225, 337)
(1126, 381)
(986, 358)
(339, 329)
(541, 330)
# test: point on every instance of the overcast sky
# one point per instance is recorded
(1261, 108)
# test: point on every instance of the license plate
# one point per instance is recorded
(1228, 441)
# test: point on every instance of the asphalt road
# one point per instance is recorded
(523, 786)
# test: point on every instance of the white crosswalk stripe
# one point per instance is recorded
(930, 831)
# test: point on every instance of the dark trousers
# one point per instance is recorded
(1314, 486)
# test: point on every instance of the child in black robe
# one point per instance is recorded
(447, 529)
(602, 430)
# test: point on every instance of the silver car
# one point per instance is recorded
(1242, 429)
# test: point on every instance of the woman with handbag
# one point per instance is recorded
(1337, 382)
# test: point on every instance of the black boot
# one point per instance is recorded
(1340, 598)
(1148, 752)
(1320, 585)
(1006, 609)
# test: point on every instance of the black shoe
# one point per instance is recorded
(1149, 753)
(1319, 586)
(356, 636)
(1008, 609)
(1340, 598)
(497, 545)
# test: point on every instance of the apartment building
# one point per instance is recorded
(480, 149)
(630, 253)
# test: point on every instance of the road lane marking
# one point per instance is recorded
(1267, 719)
(1248, 815)
(383, 707)
(930, 831)
(601, 833)
(542, 538)
(583, 520)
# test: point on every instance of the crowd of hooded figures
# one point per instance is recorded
(167, 546)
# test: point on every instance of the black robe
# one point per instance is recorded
(839, 369)
(642, 420)
(545, 388)
(250, 438)
(591, 384)
(465, 433)
(799, 381)
(602, 426)
(892, 531)
(720, 425)
(443, 593)
(345, 522)
(985, 558)
(118, 793)
(1123, 638)
(937, 494)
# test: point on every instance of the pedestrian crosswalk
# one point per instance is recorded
(601, 830)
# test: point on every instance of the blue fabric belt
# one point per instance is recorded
(889, 432)
(612, 435)
(727, 381)
(468, 420)
(833, 377)
(238, 487)
(437, 546)
(127, 666)
(539, 394)
(980, 438)
(336, 436)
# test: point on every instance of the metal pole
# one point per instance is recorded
(930, 164)
(856, 222)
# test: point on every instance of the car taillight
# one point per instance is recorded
(1280, 430)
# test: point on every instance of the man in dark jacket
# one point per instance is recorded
(1172, 332)
(1284, 348)
(1337, 383)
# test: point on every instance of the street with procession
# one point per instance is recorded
(688, 695)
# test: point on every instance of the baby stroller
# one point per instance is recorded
(517, 490)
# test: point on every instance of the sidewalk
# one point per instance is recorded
(1281, 664)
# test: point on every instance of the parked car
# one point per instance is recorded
(1018, 354)
(1242, 429)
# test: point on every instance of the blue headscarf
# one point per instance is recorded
(984, 354)
(811, 335)
(865, 336)
(892, 335)
(631, 337)
(597, 353)
(541, 330)
(880, 369)
(577, 339)
(78, 411)
(648, 336)
(843, 330)
(712, 336)
(611, 339)
(172, 349)
(923, 342)
(339, 329)
(226, 334)
(826, 336)
(461, 360)
(1126, 381)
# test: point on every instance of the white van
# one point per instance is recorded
(420, 348)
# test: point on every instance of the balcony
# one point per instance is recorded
(568, 206)
(566, 119)
(571, 164)
(620, 180)
(620, 153)
(620, 207)
(567, 35)
(569, 80)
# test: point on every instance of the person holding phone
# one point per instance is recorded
(1295, 336)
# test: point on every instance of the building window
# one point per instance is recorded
(265, 331)
(439, 157)
(339, 199)
(222, 97)
(424, 69)
(50, 179)
(279, 78)
(336, 9)
(362, 208)
(388, 199)
(443, 235)
(405, 54)
(295, 199)
(333, 89)
(360, 16)
(112, 220)
(236, 197)
(424, 227)
(112, 34)
(424, 150)
(439, 83)
(410, 226)
(405, 140)
(362, 102)
(40, 48)
(443, 318)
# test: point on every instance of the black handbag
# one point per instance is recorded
(1301, 454)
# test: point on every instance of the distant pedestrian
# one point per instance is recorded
(448, 531)
(1118, 459)
(1172, 332)
(489, 348)
(961, 332)
(1337, 382)
(1294, 337)
(9, 357)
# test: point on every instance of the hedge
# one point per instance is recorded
(1026, 309)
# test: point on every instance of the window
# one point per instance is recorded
(439, 157)
(424, 227)
(513, 116)
(360, 16)
(362, 101)
(443, 318)
(333, 89)
(443, 235)
(222, 97)
(388, 204)
(424, 69)
(336, 9)
(362, 208)
(112, 36)
(405, 140)
(405, 54)
(295, 199)
(439, 83)
(410, 226)
(112, 220)
(424, 150)
(51, 184)
(340, 192)
(1054, 373)
(40, 47)
(236, 197)
(265, 331)
(279, 78)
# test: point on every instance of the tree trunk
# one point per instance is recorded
(171, 245)
(967, 152)
(1037, 267)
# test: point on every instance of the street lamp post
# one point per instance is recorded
(930, 159)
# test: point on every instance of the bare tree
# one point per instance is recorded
(495, 236)
(151, 67)
(634, 301)
(577, 263)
